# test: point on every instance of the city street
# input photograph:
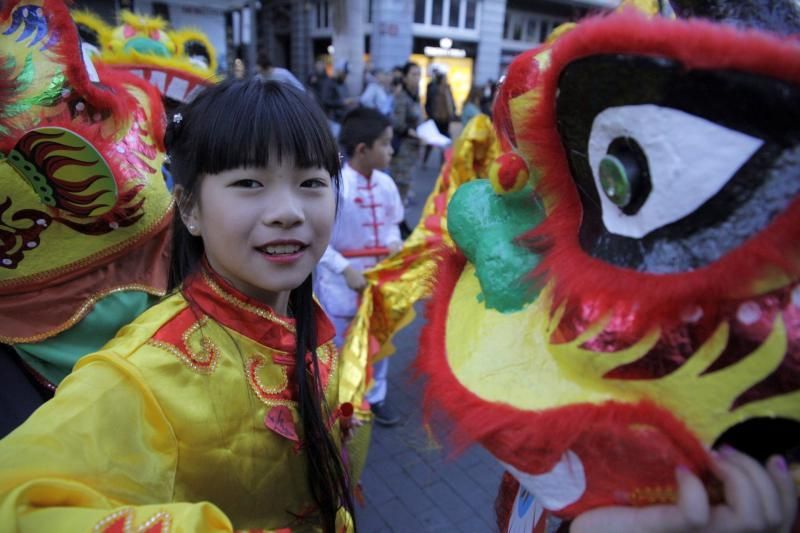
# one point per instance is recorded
(411, 483)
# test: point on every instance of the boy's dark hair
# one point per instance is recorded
(361, 125)
(250, 123)
(263, 60)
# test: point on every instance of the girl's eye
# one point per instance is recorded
(247, 184)
(314, 183)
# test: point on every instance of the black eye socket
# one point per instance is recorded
(625, 175)
(197, 48)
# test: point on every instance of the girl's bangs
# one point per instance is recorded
(253, 124)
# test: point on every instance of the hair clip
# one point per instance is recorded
(341, 158)
(176, 118)
(167, 159)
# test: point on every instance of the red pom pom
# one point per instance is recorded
(508, 173)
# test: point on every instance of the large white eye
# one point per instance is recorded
(686, 159)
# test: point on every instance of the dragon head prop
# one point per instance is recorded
(647, 306)
(178, 62)
(83, 194)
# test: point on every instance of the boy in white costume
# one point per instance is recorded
(366, 231)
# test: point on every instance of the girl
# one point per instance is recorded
(216, 408)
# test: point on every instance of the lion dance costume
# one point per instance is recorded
(178, 62)
(84, 211)
(640, 303)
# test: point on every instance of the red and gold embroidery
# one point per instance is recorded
(122, 522)
(270, 382)
(268, 375)
(196, 349)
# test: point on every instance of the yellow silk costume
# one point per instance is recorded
(169, 424)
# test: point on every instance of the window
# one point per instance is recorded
(469, 21)
(532, 32)
(445, 14)
(437, 12)
(161, 9)
(419, 11)
(516, 32)
(455, 6)
(544, 30)
(323, 20)
(526, 27)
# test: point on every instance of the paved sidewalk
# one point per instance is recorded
(410, 482)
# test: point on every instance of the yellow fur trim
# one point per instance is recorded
(133, 59)
(649, 7)
(558, 31)
(112, 43)
(90, 20)
(183, 35)
(142, 23)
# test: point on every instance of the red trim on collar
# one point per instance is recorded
(215, 297)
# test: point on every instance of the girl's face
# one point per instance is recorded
(264, 229)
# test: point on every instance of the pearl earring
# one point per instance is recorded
(192, 228)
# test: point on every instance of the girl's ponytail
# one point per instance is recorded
(327, 477)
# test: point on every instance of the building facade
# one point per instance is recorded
(473, 40)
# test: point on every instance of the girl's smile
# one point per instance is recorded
(264, 229)
(283, 251)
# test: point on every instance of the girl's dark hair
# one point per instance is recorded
(408, 66)
(250, 123)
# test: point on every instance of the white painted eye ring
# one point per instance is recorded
(689, 158)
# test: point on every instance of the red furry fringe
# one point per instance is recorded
(653, 300)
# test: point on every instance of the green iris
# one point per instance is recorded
(615, 181)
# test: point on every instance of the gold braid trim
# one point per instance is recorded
(81, 313)
(233, 300)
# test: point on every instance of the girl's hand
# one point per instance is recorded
(757, 499)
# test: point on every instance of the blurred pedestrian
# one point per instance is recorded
(378, 93)
(266, 71)
(336, 96)
(406, 115)
(439, 104)
(316, 80)
(238, 68)
(471, 105)
(487, 97)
